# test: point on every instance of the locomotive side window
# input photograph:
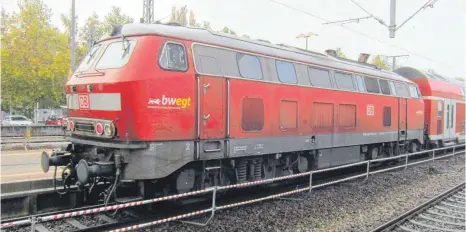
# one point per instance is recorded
(249, 66)
(384, 87)
(344, 81)
(372, 85)
(418, 92)
(402, 89)
(173, 57)
(253, 114)
(387, 116)
(360, 83)
(320, 78)
(413, 91)
(288, 114)
(392, 88)
(286, 72)
(209, 65)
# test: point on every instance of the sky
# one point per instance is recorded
(433, 39)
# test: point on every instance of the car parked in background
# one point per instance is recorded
(16, 120)
(57, 120)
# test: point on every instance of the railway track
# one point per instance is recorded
(445, 212)
(102, 220)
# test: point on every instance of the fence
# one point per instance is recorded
(214, 191)
(33, 130)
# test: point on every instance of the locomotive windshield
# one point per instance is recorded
(116, 55)
(89, 58)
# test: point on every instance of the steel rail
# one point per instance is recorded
(414, 211)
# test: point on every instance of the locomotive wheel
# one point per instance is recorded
(413, 147)
(373, 153)
(302, 165)
(185, 180)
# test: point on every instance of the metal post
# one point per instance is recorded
(433, 156)
(454, 152)
(73, 34)
(214, 196)
(394, 63)
(33, 224)
(367, 170)
(310, 183)
(392, 26)
(406, 162)
(307, 38)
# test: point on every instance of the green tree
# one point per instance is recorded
(206, 25)
(228, 31)
(459, 78)
(340, 53)
(115, 17)
(192, 20)
(378, 61)
(35, 58)
(93, 29)
(179, 16)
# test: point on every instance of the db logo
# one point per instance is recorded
(84, 101)
(370, 110)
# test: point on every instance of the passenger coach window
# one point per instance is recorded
(173, 57)
(387, 116)
(439, 109)
(253, 114)
(384, 87)
(344, 81)
(249, 66)
(372, 85)
(286, 72)
(320, 78)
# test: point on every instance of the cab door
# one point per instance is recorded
(212, 92)
(402, 118)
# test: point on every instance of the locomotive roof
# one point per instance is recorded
(253, 46)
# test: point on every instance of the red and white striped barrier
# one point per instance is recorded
(241, 185)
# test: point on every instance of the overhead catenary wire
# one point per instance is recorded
(372, 15)
(360, 33)
(427, 4)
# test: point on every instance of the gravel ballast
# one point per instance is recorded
(349, 206)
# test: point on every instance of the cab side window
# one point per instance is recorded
(173, 57)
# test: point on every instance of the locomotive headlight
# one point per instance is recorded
(71, 126)
(108, 129)
(99, 129)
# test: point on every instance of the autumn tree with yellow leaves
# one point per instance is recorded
(35, 58)
(35, 54)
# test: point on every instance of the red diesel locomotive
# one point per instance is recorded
(168, 107)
